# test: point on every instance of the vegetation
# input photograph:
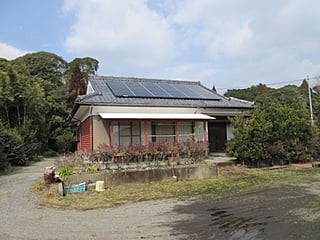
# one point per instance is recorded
(37, 92)
(65, 170)
(232, 181)
(279, 131)
(249, 94)
(155, 155)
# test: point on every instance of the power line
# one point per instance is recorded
(276, 83)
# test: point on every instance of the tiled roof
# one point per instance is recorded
(103, 95)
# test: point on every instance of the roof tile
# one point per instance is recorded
(103, 95)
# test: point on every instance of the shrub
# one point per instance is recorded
(92, 168)
(14, 147)
(276, 134)
(66, 142)
(157, 151)
(50, 153)
(66, 170)
(136, 152)
(76, 159)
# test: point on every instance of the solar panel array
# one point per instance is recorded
(160, 89)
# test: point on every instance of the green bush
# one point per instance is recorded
(66, 142)
(66, 170)
(157, 151)
(276, 134)
(13, 148)
(49, 153)
(92, 168)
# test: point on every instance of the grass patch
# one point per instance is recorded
(231, 181)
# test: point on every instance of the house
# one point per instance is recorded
(121, 111)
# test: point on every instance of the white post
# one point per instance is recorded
(310, 101)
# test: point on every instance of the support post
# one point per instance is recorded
(310, 101)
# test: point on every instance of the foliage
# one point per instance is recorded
(66, 142)
(49, 154)
(79, 71)
(92, 168)
(77, 85)
(157, 151)
(275, 134)
(44, 65)
(65, 170)
(249, 94)
(279, 130)
(75, 160)
(88, 67)
(13, 148)
(289, 95)
(154, 152)
(35, 103)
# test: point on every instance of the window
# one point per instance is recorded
(186, 131)
(127, 133)
(163, 131)
(166, 131)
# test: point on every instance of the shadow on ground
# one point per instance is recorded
(289, 212)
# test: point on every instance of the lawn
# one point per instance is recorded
(231, 181)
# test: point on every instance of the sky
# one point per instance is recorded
(229, 44)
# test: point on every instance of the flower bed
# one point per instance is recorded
(161, 151)
(133, 157)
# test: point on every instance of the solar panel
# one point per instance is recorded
(119, 88)
(160, 89)
(138, 89)
(189, 92)
(173, 90)
(156, 90)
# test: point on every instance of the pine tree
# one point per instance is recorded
(77, 82)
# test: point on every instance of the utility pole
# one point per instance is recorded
(310, 101)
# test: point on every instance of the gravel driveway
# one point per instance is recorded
(21, 217)
(291, 212)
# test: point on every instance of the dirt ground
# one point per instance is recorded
(290, 212)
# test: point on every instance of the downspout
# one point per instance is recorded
(91, 126)
(205, 134)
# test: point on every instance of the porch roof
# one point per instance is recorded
(157, 116)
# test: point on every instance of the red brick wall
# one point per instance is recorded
(85, 135)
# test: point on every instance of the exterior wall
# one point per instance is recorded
(130, 109)
(94, 130)
(85, 142)
(101, 133)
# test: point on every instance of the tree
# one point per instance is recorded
(88, 67)
(47, 66)
(249, 94)
(35, 104)
(277, 133)
(290, 95)
(77, 85)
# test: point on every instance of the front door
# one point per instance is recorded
(217, 137)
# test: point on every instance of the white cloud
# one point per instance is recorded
(124, 33)
(190, 71)
(223, 42)
(234, 43)
(10, 52)
(248, 42)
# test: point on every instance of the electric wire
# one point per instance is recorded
(274, 83)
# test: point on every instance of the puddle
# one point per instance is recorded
(227, 221)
